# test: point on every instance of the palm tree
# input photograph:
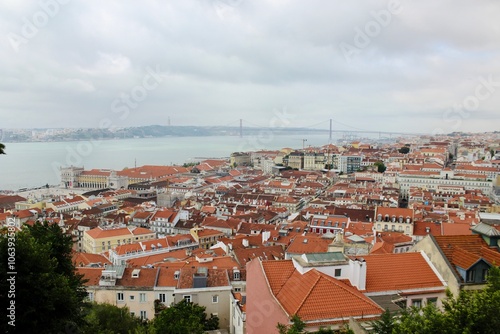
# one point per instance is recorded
(2, 148)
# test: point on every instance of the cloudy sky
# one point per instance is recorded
(410, 66)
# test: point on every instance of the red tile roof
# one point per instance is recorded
(314, 295)
(309, 244)
(84, 259)
(392, 272)
(147, 278)
(92, 275)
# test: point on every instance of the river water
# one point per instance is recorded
(28, 165)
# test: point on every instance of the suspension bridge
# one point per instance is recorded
(327, 126)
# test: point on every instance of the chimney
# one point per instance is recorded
(265, 236)
(357, 275)
(245, 243)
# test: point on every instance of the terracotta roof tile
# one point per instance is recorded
(92, 275)
(464, 259)
(147, 278)
(308, 244)
(84, 259)
(314, 295)
(387, 272)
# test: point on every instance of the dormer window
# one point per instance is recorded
(470, 276)
(236, 275)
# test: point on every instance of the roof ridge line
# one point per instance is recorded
(345, 287)
(308, 293)
(288, 277)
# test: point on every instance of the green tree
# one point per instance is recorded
(385, 324)
(110, 319)
(184, 317)
(380, 166)
(404, 150)
(296, 327)
(49, 296)
(469, 312)
(2, 148)
(424, 320)
(476, 311)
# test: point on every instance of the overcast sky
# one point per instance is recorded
(411, 66)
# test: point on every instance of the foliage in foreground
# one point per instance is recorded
(469, 312)
(49, 296)
(298, 326)
(184, 317)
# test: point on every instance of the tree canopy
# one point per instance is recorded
(48, 295)
(380, 166)
(404, 150)
(298, 326)
(2, 148)
(111, 319)
(468, 312)
(184, 317)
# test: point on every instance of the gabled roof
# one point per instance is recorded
(308, 244)
(314, 295)
(244, 255)
(464, 259)
(85, 259)
(486, 229)
(91, 275)
(381, 210)
(382, 247)
(147, 278)
(465, 250)
(214, 277)
(402, 271)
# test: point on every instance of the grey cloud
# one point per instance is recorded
(229, 59)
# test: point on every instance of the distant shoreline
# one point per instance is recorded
(158, 131)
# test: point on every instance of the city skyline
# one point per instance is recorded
(384, 65)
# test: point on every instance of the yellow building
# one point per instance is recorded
(99, 240)
(205, 237)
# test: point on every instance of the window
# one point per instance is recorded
(119, 296)
(132, 314)
(236, 275)
(484, 275)
(143, 315)
(132, 297)
(142, 297)
(215, 299)
(187, 298)
(162, 297)
(237, 289)
(416, 302)
(470, 276)
(90, 296)
(432, 301)
(338, 272)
